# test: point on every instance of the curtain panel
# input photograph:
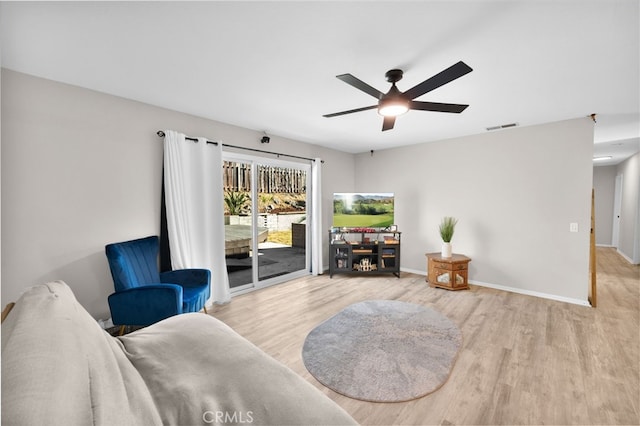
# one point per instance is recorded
(194, 209)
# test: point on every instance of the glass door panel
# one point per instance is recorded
(238, 224)
(282, 201)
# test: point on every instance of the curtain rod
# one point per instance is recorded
(161, 134)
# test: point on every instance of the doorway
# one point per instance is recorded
(265, 221)
(617, 207)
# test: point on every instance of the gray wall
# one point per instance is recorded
(81, 169)
(514, 192)
(604, 178)
(629, 242)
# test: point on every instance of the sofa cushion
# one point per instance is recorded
(217, 373)
(60, 367)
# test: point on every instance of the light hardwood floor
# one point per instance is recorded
(524, 360)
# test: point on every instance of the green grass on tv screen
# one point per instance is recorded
(360, 220)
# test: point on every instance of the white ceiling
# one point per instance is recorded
(271, 66)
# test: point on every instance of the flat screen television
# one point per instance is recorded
(362, 209)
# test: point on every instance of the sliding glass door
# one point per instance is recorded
(265, 220)
(239, 223)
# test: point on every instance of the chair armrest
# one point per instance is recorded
(145, 305)
(187, 277)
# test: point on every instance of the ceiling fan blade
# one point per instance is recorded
(388, 123)
(335, 114)
(436, 106)
(454, 71)
(360, 85)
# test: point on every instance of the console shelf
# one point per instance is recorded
(357, 252)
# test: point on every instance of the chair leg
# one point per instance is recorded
(7, 309)
(205, 310)
(121, 330)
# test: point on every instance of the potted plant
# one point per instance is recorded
(236, 202)
(447, 227)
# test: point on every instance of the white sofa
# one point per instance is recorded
(60, 368)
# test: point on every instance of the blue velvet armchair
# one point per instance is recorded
(143, 295)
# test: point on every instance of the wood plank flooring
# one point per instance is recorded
(524, 360)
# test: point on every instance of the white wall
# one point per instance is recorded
(604, 181)
(81, 169)
(514, 192)
(629, 242)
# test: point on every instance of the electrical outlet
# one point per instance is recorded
(573, 227)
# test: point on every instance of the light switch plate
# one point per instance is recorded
(573, 227)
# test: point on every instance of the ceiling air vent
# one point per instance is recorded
(502, 126)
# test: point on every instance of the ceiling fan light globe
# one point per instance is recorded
(392, 109)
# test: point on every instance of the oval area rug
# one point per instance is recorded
(383, 351)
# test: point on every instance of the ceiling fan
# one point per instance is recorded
(395, 102)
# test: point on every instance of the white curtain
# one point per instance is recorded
(316, 215)
(195, 211)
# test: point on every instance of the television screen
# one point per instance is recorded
(362, 209)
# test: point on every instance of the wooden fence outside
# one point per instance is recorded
(271, 179)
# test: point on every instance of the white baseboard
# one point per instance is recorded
(627, 258)
(532, 293)
(514, 290)
(414, 271)
(604, 245)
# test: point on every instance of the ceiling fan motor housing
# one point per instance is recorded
(393, 76)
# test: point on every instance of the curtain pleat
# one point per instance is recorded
(317, 266)
(165, 259)
(219, 276)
